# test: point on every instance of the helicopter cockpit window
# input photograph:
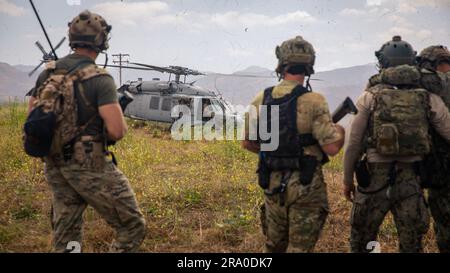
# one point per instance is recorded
(154, 103)
(218, 105)
(207, 109)
(166, 104)
(184, 101)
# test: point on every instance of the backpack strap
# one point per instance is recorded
(298, 91)
(90, 72)
(268, 94)
(83, 74)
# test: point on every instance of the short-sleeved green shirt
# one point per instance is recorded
(100, 90)
(313, 116)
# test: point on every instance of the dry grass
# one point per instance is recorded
(196, 196)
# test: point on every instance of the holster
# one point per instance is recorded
(88, 152)
(308, 166)
(362, 173)
(263, 173)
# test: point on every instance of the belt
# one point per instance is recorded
(87, 138)
(387, 165)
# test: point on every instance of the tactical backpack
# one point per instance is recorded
(53, 122)
(400, 122)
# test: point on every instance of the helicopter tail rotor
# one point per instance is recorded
(41, 48)
(36, 68)
(60, 43)
(46, 57)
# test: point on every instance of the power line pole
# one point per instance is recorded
(121, 59)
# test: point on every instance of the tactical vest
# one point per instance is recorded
(399, 123)
(289, 154)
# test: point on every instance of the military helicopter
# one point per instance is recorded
(154, 100)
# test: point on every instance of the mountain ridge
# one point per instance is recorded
(335, 84)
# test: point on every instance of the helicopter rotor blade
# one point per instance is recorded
(60, 43)
(186, 71)
(36, 68)
(40, 47)
(240, 75)
(157, 68)
(126, 67)
(179, 70)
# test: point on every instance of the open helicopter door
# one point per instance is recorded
(197, 111)
(203, 110)
(167, 104)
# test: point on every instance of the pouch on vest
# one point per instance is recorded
(387, 139)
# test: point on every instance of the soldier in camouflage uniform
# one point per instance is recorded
(436, 61)
(83, 175)
(388, 139)
(296, 203)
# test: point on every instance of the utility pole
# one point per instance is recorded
(121, 59)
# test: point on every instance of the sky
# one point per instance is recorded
(229, 35)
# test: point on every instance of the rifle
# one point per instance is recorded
(346, 107)
(43, 28)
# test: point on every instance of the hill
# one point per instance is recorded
(335, 84)
(14, 80)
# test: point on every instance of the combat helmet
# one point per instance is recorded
(296, 51)
(89, 30)
(395, 52)
(431, 56)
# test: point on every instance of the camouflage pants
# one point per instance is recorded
(405, 201)
(296, 225)
(107, 191)
(439, 200)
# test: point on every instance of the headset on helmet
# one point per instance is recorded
(296, 51)
(89, 30)
(431, 56)
(395, 52)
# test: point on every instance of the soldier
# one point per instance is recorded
(296, 203)
(435, 60)
(387, 141)
(78, 172)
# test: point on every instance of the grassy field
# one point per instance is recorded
(197, 196)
